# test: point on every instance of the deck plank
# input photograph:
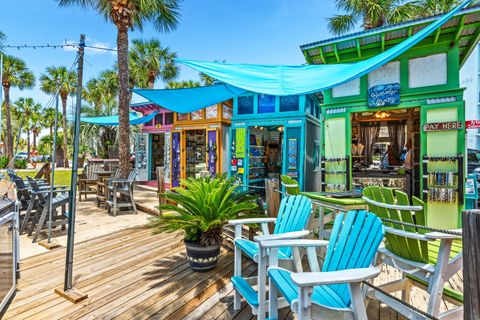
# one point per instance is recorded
(133, 274)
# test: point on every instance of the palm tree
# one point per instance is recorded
(15, 74)
(371, 13)
(92, 93)
(48, 119)
(25, 110)
(206, 79)
(153, 61)
(129, 15)
(62, 81)
(182, 84)
(36, 127)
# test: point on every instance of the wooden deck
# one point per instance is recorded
(131, 274)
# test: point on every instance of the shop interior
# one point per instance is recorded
(386, 149)
(158, 157)
(265, 154)
(195, 152)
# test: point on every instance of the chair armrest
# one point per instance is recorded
(310, 279)
(251, 221)
(48, 191)
(407, 234)
(294, 243)
(280, 236)
(441, 235)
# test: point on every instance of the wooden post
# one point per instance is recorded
(471, 263)
(160, 185)
(272, 198)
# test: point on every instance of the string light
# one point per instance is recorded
(55, 46)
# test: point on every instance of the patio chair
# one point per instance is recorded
(27, 202)
(121, 194)
(102, 187)
(58, 199)
(87, 179)
(426, 259)
(290, 185)
(291, 222)
(335, 292)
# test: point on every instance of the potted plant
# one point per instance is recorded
(203, 207)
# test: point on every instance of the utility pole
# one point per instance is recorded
(68, 291)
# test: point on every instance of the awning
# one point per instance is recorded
(291, 80)
(113, 120)
(190, 99)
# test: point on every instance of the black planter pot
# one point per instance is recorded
(202, 258)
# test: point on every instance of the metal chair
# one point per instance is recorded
(121, 194)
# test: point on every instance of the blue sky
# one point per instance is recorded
(248, 31)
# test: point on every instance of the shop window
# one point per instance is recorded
(159, 119)
(149, 123)
(266, 103)
(226, 111)
(435, 66)
(350, 88)
(245, 105)
(311, 107)
(197, 115)
(211, 112)
(289, 103)
(168, 118)
(182, 116)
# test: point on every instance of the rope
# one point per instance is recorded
(455, 233)
(415, 309)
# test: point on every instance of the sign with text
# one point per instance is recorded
(384, 95)
(472, 124)
(442, 126)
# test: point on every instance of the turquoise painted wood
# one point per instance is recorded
(293, 215)
(354, 241)
(247, 292)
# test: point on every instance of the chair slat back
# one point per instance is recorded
(354, 241)
(36, 188)
(293, 215)
(133, 175)
(92, 169)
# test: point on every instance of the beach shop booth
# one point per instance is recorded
(200, 142)
(152, 144)
(401, 125)
(276, 135)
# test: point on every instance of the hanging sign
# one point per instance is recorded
(384, 95)
(472, 124)
(442, 126)
(292, 154)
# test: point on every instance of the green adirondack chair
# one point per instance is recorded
(335, 292)
(427, 259)
(291, 222)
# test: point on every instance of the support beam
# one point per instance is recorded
(460, 28)
(336, 52)
(410, 31)
(437, 35)
(320, 49)
(359, 50)
(383, 42)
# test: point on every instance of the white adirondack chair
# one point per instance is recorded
(292, 219)
(335, 292)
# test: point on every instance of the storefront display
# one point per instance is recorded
(274, 136)
(198, 143)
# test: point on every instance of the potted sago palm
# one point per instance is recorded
(202, 208)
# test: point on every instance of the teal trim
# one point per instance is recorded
(150, 155)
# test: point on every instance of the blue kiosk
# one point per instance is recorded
(276, 135)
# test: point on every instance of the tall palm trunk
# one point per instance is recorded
(28, 145)
(35, 140)
(65, 129)
(123, 101)
(151, 81)
(8, 119)
(51, 130)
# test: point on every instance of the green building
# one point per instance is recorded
(407, 114)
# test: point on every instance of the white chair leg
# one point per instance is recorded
(272, 301)
(438, 281)
(358, 304)
(262, 284)
(305, 304)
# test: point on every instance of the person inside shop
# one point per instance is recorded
(357, 147)
(408, 157)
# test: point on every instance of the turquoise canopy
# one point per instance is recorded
(290, 80)
(113, 120)
(190, 99)
(239, 79)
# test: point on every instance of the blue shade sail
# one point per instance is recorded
(186, 100)
(113, 120)
(284, 80)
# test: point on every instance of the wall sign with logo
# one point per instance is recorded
(384, 95)
(442, 126)
(240, 138)
(472, 124)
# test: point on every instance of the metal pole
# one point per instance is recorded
(73, 183)
(53, 159)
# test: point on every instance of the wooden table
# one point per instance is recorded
(324, 200)
(102, 188)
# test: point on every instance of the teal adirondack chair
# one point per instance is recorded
(335, 292)
(427, 259)
(291, 221)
